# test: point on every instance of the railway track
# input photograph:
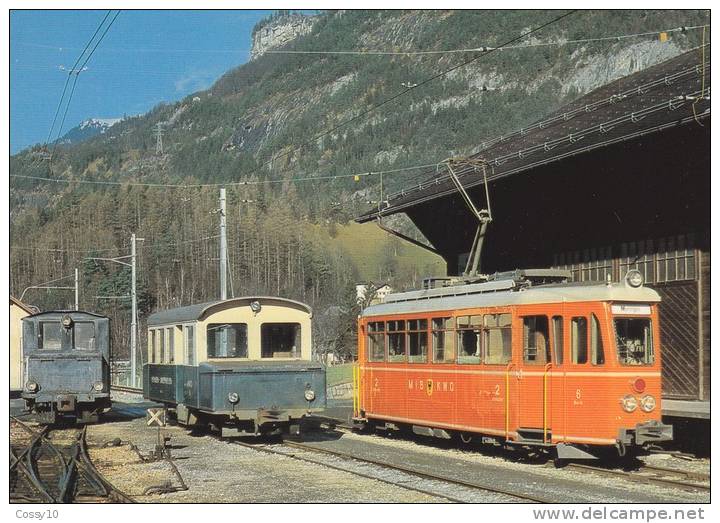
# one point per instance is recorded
(121, 388)
(404, 477)
(663, 476)
(53, 466)
(651, 474)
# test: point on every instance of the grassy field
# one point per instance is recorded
(367, 246)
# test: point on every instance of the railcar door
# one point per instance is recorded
(533, 380)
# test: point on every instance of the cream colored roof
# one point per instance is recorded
(456, 298)
(197, 311)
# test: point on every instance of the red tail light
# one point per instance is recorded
(639, 385)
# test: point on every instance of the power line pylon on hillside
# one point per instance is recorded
(158, 136)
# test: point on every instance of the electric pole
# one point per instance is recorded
(77, 289)
(223, 247)
(133, 298)
(158, 136)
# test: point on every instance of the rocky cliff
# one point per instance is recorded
(279, 32)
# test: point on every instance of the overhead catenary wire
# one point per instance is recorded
(325, 133)
(77, 72)
(93, 250)
(568, 115)
(224, 184)
(381, 52)
(70, 72)
(345, 123)
(484, 48)
(576, 136)
(314, 178)
(410, 88)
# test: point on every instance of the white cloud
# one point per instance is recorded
(194, 81)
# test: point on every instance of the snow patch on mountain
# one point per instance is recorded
(104, 123)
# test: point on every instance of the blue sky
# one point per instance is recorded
(147, 57)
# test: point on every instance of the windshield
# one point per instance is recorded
(280, 340)
(634, 341)
(50, 335)
(85, 336)
(227, 340)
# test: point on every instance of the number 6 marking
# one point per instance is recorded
(578, 394)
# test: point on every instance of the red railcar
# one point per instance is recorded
(568, 365)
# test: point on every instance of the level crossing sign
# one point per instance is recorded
(155, 417)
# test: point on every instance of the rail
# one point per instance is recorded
(638, 476)
(44, 471)
(388, 466)
(122, 388)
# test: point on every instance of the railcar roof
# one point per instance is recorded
(72, 313)
(196, 311)
(471, 296)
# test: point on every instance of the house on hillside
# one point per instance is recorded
(374, 292)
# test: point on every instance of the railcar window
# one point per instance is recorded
(557, 340)
(498, 338)
(50, 335)
(396, 340)
(84, 332)
(227, 340)
(536, 346)
(443, 340)
(151, 346)
(280, 340)
(156, 347)
(417, 340)
(468, 336)
(171, 345)
(161, 345)
(597, 353)
(578, 336)
(189, 345)
(376, 341)
(634, 340)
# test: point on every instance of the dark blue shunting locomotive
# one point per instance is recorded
(67, 373)
(241, 365)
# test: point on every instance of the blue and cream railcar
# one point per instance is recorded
(241, 365)
(67, 371)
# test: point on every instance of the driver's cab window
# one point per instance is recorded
(226, 340)
(634, 340)
(280, 340)
(50, 335)
(85, 335)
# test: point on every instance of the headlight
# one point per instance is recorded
(634, 278)
(31, 386)
(233, 397)
(647, 403)
(309, 394)
(98, 386)
(629, 403)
